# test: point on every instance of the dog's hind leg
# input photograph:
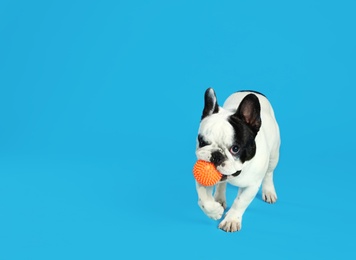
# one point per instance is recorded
(269, 194)
(220, 194)
(268, 191)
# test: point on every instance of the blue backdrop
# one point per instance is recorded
(99, 110)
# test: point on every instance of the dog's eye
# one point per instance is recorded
(201, 141)
(234, 149)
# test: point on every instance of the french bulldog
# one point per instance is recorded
(242, 140)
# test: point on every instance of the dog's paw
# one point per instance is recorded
(230, 225)
(232, 222)
(269, 196)
(212, 209)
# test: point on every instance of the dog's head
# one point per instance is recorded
(227, 138)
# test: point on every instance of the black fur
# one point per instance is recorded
(217, 158)
(244, 138)
(201, 141)
(246, 123)
(210, 104)
(249, 111)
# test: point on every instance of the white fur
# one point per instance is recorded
(259, 170)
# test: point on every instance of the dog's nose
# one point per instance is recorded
(217, 158)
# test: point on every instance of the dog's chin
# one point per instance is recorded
(229, 171)
(227, 175)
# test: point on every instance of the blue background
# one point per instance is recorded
(99, 111)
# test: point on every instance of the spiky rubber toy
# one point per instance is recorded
(206, 173)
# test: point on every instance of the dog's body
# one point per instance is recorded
(242, 140)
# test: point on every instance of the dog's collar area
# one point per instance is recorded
(224, 177)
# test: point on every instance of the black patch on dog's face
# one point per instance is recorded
(201, 141)
(246, 123)
(244, 138)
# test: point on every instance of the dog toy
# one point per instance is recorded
(205, 173)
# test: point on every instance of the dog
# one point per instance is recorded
(242, 140)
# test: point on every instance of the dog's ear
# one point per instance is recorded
(210, 103)
(249, 111)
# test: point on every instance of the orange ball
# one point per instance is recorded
(206, 173)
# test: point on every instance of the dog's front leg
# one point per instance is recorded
(207, 203)
(233, 219)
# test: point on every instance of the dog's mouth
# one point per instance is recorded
(224, 177)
